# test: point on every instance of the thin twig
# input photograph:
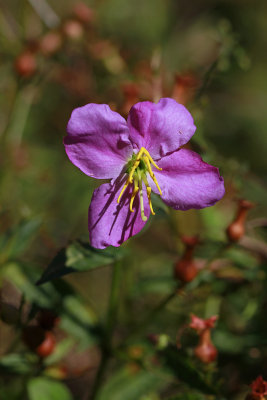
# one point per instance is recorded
(45, 12)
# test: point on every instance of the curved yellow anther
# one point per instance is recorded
(150, 158)
(148, 191)
(136, 163)
(136, 188)
(146, 160)
(122, 191)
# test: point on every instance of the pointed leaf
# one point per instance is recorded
(78, 257)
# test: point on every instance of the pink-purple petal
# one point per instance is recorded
(111, 223)
(98, 141)
(188, 182)
(161, 128)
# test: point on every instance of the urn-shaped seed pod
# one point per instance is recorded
(236, 229)
(206, 351)
(185, 269)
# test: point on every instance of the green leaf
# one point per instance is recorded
(23, 278)
(75, 318)
(130, 384)
(158, 284)
(79, 257)
(16, 240)
(181, 367)
(15, 364)
(79, 321)
(47, 389)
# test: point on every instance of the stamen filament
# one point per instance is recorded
(136, 188)
(150, 158)
(138, 175)
(148, 191)
(122, 191)
(136, 163)
(152, 174)
(144, 218)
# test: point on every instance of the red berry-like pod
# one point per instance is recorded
(185, 270)
(206, 352)
(83, 13)
(236, 229)
(50, 43)
(47, 346)
(25, 64)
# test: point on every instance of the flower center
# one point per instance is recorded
(137, 168)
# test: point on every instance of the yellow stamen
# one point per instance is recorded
(148, 191)
(136, 188)
(150, 158)
(146, 160)
(144, 218)
(138, 176)
(136, 163)
(122, 191)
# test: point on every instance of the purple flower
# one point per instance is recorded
(139, 156)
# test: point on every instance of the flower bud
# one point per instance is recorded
(236, 229)
(25, 64)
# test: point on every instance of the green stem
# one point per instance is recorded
(206, 80)
(109, 329)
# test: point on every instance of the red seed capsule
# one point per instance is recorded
(206, 351)
(73, 29)
(47, 346)
(185, 269)
(236, 229)
(25, 64)
(50, 43)
(83, 13)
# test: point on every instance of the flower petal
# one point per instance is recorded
(110, 223)
(161, 128)
(188, 182)
(98, 141)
